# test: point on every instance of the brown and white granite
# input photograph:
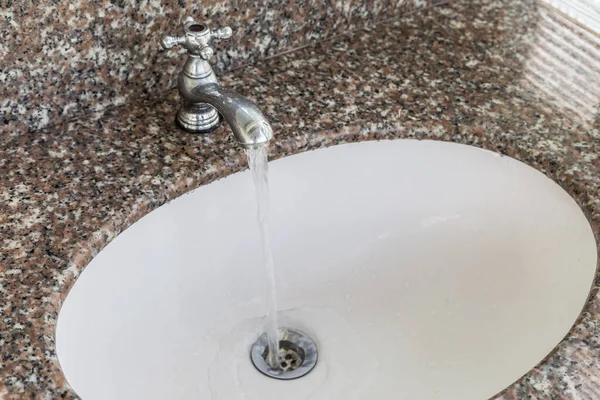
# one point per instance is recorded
(455, 73)
(62, 58)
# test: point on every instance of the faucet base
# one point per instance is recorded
(198, 118)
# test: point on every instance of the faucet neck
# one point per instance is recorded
(197, 68)
(194, 116)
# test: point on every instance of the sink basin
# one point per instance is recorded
(423, 270)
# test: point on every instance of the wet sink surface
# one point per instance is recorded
(423, 269)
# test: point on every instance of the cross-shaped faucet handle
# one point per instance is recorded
(197, 38)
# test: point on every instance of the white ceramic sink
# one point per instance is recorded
(424, 270)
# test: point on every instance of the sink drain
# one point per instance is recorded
(297, 355)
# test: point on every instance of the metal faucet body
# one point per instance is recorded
(205, 101)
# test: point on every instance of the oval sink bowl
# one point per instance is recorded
(423, 270)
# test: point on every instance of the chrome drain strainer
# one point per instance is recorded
(297, 355)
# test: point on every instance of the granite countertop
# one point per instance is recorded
(467, 72)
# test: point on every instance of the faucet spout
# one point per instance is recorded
(250, 127)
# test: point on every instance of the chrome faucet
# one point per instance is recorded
(204, 99)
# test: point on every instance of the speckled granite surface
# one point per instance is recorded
(60, 58)
(457, 72)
